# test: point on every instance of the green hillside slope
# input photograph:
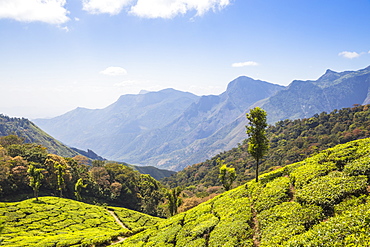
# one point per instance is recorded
(290, 141)
(321, 201)
(32, 134)
(62, 222)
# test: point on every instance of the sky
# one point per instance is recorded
(56, 55)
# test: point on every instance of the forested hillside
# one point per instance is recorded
(290, 141)
(32, 134)
(101, 182)
(321, 201)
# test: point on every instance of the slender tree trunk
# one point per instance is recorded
(35, 194)
(257, 171)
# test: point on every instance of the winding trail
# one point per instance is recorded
(119, 222)
(256, 230)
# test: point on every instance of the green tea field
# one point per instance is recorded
(53, 221)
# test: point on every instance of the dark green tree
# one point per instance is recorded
(174, 200)
(36, 178)
(59, 170)
(227, 174)
(257, 142)
(78, 188)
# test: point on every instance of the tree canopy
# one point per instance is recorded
(258, 143)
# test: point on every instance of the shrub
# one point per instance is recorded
(329, 190)
(349, 229)
(57, 222)
(269, 195)
(285, 220)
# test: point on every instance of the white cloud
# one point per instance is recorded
(244, 64)
(112, 7)
(114, 71)
(65, 29)
(153, 8)
(49, 11)
(348, 54)
(172, 8)
(77, 19)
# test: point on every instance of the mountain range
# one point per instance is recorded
(173, 129)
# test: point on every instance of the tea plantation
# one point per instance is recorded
(55, 221)
(321, 201)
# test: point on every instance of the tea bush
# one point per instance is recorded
(268, 195)
(351, 228)
(57, 222)
(286, 220)
(133, 220)
(222, 221)
(329, 190)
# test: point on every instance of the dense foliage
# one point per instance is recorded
(290, 141)
(27, 166)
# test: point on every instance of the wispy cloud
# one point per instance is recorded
(349, 54)
(54, 11)
(172, 8)
(153, 8)
(114, 71)
(49, 11)
(244, 64)
(112, 7)
(65, 28)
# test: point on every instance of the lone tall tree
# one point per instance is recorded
(256, 130)
(36, 177)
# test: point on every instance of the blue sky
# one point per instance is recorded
(56, 55)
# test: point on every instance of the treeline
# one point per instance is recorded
(75, 178)
(290, 141)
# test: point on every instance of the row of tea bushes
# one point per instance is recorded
(133, 220)
(53, 221)
(223, 221)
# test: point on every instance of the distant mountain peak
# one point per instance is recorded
(329, 71)
(144, 91)
(329, 75)
(241, 80)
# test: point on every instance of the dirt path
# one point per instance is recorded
(117, 219)
(119, 222)
(256, 230)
